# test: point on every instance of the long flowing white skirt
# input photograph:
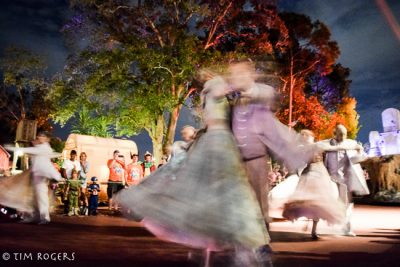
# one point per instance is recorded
(17, 192)
(204, 200)
(315, 197)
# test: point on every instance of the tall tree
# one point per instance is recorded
(139, 63)
(347, 110)
(330, 89)
(23, 88)
(310, 50)
(136, 66)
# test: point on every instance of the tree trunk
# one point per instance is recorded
(22, 103)
(291, 88)
(157, 134)
(171, 127)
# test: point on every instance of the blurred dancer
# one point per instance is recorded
(19, 193)
(346, 172)
(258, 131)
(316, 196)
(203, 199)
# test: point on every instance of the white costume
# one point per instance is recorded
(345, 170)
(344, 167)
(42, 170)
(315, 196)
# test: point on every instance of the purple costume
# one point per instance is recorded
(258, 132)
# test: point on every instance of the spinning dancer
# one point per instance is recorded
(346, 172)
(203, 199)
(29, 192)
(316, 196)
(258, 131)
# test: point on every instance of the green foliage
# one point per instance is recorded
(88, 124)
(141, 75)
(57, 144)
(139, 65)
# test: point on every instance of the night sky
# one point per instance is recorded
(367, 44)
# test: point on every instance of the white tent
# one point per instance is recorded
(98, 150)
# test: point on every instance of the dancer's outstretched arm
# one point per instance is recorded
(325, 146)
(39, 151)
(259, 92)
(282, 141)
(27, 150)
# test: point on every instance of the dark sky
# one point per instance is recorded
(367, 44)
(368, 47)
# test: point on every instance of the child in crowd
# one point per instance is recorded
(73, 191)
(83, 203)
(93, 189)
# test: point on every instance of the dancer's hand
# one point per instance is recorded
(359, 148)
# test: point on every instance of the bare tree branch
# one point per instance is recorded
(216, 24)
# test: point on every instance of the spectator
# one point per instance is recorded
(134, 171)
(71, 164)
(148, 164)
(93, 189)
(83, 179)
(72, 191)
(68, 166)
(117, 178)
(84, 165)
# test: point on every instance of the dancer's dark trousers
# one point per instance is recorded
(257, 173)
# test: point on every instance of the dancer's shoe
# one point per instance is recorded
(314, 236)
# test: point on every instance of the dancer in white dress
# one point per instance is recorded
(316, 196)
(202, 198)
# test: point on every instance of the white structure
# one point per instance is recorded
(99, 150)
(388, 142)
(391, 120)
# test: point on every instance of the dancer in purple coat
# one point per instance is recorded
(258, 131)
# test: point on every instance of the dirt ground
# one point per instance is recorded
(107, 240)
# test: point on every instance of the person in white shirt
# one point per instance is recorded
(71, 164)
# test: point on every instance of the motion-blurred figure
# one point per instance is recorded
(17, 190)
(344, 169)
(204, 199)
(258, 131)
(316, 196)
